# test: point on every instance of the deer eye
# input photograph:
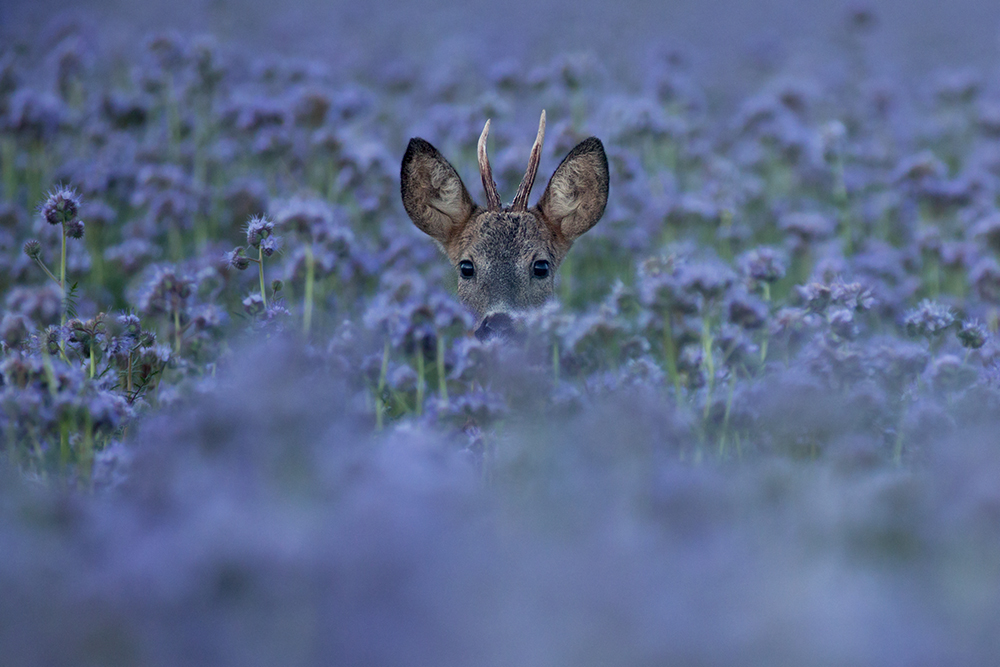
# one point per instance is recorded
(466, 268)
(541, 269)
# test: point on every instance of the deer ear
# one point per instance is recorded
(575, 197)
(433, 194)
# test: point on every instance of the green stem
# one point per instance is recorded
(128, 378)
(62, 276)
(41, 264)
(840, 197)
(566, 284)
(379, 403)
(763, 343)
(307, 301)
(670, 352)
(555, 361)
(709, 365)
(725, 417)
(421, 382)
(64, 453)
(177, 331)
(442, 381)
(50, 374)
(897, 449)
(175, 243)
(8, 154)
(87, 455)
(706, 346)
(93, 361)
(173, 116)
(260, 268)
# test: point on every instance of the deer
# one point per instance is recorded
(505, 257)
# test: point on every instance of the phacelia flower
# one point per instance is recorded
(32, 248)
(259, 227)
(972, 334)
(928, 319)
(61, 206)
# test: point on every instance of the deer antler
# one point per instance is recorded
(492, 196)
(520, 202)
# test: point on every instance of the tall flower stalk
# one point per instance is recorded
(61, 207)
(260, 236)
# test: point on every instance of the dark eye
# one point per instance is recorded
(466, 268)
(541, 268)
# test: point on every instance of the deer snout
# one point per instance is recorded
(496, 325)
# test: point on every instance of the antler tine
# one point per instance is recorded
(492, 196)
(520, 202)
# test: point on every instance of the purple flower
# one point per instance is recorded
(270, 245)
(61, 206)
(921, 166)
(929, 319)
(988, 230)
(167, 290)
(763, 264)
(807, 228)
(237, 259)
(747, 311)
(972, 334)
(253, 305)
(259, 227)
(985, 278)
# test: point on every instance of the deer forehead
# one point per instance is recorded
(503, 237)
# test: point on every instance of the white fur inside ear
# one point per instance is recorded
(577, 193)
(448, 196)
(564, 199)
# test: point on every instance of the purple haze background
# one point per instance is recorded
(758, 426)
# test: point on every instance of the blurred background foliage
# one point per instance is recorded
(242, 420)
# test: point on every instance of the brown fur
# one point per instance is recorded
(504, 245)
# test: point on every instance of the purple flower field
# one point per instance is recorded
(244, 419)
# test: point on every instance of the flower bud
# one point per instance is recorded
(61, 207)
(74, 229)
(972, 334)
(129, 322)
(253, 305)
(33, 249)
(238, 260)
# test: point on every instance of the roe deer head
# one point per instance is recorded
(506, 257)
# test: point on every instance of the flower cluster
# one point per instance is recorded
(780, 342)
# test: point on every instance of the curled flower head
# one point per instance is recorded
(708, 279)
(52, 339)
(270, 245)
(949, 373)
(842, 324)
(61, 206)
(763, 264)
(259, 227)
(816, 296)
(166, 291)
(13, 329)
(853, 296)
(237, 259)
(130, 323)
(253, 305)
(747, 311)
(972, 334)
(32, 248)
(929, 319)
(74, 229)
